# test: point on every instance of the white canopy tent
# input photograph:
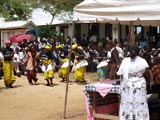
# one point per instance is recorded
(139, 12)
(128, 12)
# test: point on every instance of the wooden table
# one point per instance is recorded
(102, 108)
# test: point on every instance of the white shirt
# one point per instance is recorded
(17, 58)
(120, 51)
(1, 56)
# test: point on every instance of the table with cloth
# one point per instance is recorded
(102, 100)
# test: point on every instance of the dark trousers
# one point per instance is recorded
(154, 105)
(31, 75)
(154, 89)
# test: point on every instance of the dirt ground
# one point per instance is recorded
(40, 102)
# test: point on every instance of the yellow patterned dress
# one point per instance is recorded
(47, 68)
(80, 70)
(64, 70)
(9, 77)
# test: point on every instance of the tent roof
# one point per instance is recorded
(144, 12)
(15, 24)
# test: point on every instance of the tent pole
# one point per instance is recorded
(66, 92)
(131, 34)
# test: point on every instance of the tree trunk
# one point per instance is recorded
(52, 20)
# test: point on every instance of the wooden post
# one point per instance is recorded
(131, 34)
(66, 93)
(94, 105)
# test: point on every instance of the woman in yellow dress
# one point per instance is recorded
(8, 71)
(79, 65)
(64, 69)
(48, 65)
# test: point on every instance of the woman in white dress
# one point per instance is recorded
(133, 103)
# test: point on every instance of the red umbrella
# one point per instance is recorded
(20, 37)
(13, 38)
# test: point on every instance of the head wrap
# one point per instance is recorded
(153, 49)
(100, 44)
(58, 46)
(74, 46)
(47, 47)
(7, 42)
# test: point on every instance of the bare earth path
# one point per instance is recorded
(40, 102)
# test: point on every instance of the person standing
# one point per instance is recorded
(48, 64)
(114, 61)
(1, 63)
(8, 71)
(16, 62)
(133, 102)
(64, 69)
(79, 64)
(31, 64)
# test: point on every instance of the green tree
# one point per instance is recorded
(55, 7)
(46, 31)
(22, 9)
(13, 10)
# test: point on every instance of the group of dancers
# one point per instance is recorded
(46, 60)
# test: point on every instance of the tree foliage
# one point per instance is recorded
(22, 9)
(47, 32)
(15, 10)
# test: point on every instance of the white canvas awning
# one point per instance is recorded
(16, 24)
(139, 12)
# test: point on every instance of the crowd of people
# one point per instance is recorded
(139, 67)
(30, 57)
